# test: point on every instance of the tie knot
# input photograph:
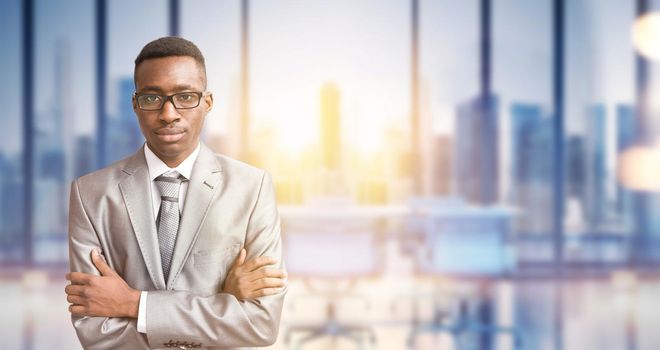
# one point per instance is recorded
(168, 185)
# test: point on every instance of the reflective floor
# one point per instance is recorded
(382, 312)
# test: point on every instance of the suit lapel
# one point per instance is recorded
(136, 190)
(206, 177)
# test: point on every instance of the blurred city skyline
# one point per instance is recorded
(330, 92)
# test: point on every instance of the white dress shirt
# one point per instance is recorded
(156, 168)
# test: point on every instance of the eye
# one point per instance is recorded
(151, 98)
(185, 97)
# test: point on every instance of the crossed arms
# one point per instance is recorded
(108, 295)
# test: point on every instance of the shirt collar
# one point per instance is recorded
(157, 167)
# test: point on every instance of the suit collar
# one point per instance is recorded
(135, 190)
(204, 182)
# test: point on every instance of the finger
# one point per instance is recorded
(75, 299)
(240, 259)
(78, 310)
(259, 262)
(264, 292)
(243, 256)
(74, 289)
(262, 273)
(101, 265)
(78, 277)
(269, 283)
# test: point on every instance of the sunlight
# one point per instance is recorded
(369, 141)
(295, 135)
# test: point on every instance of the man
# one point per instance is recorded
(174, 246)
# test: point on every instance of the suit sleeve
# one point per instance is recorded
(221, 320)
(95, 332)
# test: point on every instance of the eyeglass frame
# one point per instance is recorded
(199, 94)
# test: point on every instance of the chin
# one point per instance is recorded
(167, 150)
(173, 150)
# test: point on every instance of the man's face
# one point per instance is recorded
(172, 134)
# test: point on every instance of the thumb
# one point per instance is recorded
(101, 265)
(240, 259)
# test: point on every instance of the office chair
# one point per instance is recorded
(329, 248)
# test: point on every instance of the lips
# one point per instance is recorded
(170, 134)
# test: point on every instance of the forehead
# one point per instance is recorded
(168, 73)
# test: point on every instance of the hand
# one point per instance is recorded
(107, 295)
(249, 280)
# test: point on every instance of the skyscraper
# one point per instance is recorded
(597, 176)
(626, 131)
(3, 180)
(124, 136)
(11, 207)
(525, 119)
(53, 157)
(63, 112)
(84, 159)
(330, 126)
(476, 156)
(531, 161)
(575, 167)
(441, 151)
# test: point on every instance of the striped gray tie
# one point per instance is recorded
(167, 222)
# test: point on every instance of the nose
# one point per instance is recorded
(169, 114)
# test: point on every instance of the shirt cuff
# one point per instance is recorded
(142, 313)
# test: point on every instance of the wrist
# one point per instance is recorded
(133, 304)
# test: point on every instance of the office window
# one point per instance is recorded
(12, 179)
(642, 216)
(215, 27)
(330, 98)
(522, 98)
(64, 118)
(522, 88)
(449, 79)
(522, 83)
(600, 123)
(131, 24)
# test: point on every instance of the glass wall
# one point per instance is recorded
(131, 24)
(329, 106)
(522, 87)
(12, 176)
(217, 34)
(460, 211)
(600, 124)
(447, 82)
(522, 84)
(64, 122)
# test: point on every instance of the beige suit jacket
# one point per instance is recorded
(229, 205)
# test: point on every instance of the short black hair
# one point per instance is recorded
(170, 46)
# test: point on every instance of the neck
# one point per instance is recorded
(173, 161)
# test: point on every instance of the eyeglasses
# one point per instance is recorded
(181, 100)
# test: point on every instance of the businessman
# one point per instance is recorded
(174, 246)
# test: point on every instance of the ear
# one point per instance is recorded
(209, 101)
(134, 102)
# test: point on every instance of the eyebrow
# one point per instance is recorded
(177, 88)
